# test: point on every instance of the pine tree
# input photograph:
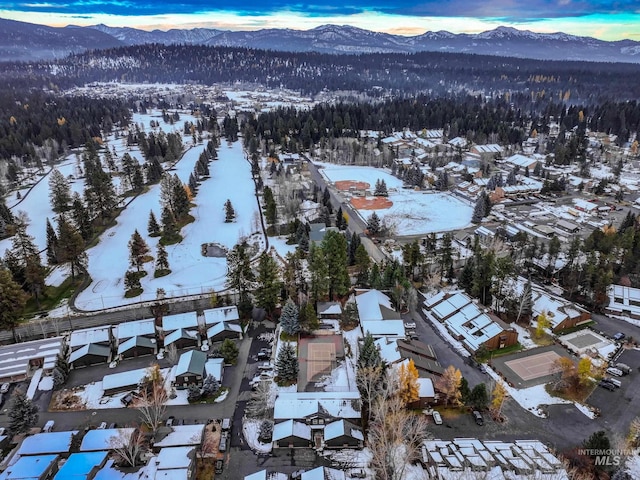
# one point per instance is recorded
(100, 194)
(180, 199)
(153, 228)
(193, 183)
(341, 223)
(287, 364)
(81, 217)
(229, 351)
(363, 261)
(52, 244)
(138, 250)
(318, 271)
(138, 178)
(30, 272)
(369, 356)
(334, 247)
(268, 287)
(162, 262)
(59, 191)
(210, 386)
(23, 413)
(71, 246)
(240, 276)
(373, 224)
(132, 283)
(479, 397)
(169, 227)
(381, 189)
(12, 301)
(289, 318)
(479, 210)
(229, 212)
(308, 318)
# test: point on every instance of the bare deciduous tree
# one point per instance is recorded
(152, 403)
(127, 449)
(171, 354)
(261, 401)
(396, 434)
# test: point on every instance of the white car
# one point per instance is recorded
(409, 325)
(437, 419)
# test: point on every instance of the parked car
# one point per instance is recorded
(48, 427)
(409, 325)
(169, 422)
(358, 474)
(102, 426)
(113, 425)
(477, 416)
(127, 399)
(607, 385)
(619, 336)
(613, 381)
(5, 387)
(219, 466)
(263, 355)
(297, 474)
(626, 369)
(437, 419)
(264, 367)
(222, 447)
(615, 371)
(1, 399)
(226, 424)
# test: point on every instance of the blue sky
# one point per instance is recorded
(603, 19)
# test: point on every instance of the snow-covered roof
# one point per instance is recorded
(14, 359)
(123, 379)
(298, 405)
(136, 328)
(53, 442)
(222, 314)
(171, 323)
(261, 475)
(458, 142)
(106, 439)
(584, 205)
(530, 456)
(174, 458)
(86, 336)
(191, 362)
(180, 435)
(329, 308)
(623, 298)
(29, 468)
(134, 342)
(425, 388)
(340, 428)
(489, 148)
(215, 367)
(429, 302)
(369, 304)
(291, 428)
(521, 161)
(90, 349)
(180, 334)
(79, 465)
(218, 328)
(450, 305)
(384, 328)
(388, 350)
(557, 308)
(323, 473)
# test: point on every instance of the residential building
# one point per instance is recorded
(38, 467)
(343, 434)
(179, 436)
(291, 434)
(469, 323)
(90, 346)
(190, 369)
(82, 466)
(123, 381)
(106, 439)
(137, 338)
(20, 360)
(175, 463)
(44, 443)
(377, 315)
(624, 300)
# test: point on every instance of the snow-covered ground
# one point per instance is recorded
(191, 272)
(413, 212)
(524, 336)
(251, 431)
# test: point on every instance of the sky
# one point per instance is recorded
(604, 19)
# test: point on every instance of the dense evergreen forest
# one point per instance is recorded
(34, 125)
(377, 74)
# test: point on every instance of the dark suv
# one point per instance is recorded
(609, 386)
(477, 416)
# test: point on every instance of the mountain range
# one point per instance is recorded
(20, 41)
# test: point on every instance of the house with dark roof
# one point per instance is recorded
(137, 338)
(182, 339)
(90, 346)
(291, 434)
(190, 369)
(343, 434)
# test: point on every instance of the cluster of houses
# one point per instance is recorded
(193, 331)
(91, 455)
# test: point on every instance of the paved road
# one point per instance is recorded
(610, 326)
